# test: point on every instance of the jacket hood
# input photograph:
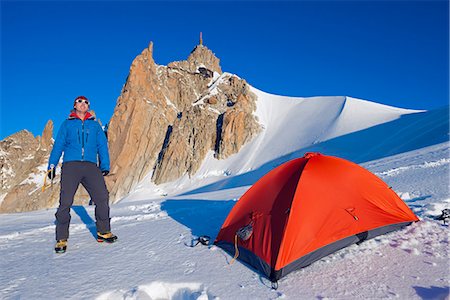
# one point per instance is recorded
(73, 115)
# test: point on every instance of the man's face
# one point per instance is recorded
(81, 105)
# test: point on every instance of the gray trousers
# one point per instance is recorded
(89, 175)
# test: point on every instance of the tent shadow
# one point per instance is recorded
(409, 132)
(86, 219)
(203, 217)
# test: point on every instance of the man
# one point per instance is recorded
(83, 142)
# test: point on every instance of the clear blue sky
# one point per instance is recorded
(389, 52)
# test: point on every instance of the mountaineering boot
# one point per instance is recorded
(106, 237)
(61, 246)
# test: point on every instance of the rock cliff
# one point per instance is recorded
(23, 160)
(167, 118)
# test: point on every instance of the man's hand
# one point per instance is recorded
(51, 173)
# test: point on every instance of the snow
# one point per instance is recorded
(161, 290)
(3, 195)
(214, 78)
(156, 224)
(37, 178)
(355, 113)
(2, 153)
(427, 164)
(170, 103)
(7, 171)
(151, 258)
(213, 86)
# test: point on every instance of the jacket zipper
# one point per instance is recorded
(82, 145)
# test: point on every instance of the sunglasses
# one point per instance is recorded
(82, 101)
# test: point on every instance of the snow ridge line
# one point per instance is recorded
(425, 165)
(334, 121)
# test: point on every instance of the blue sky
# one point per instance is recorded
(390, 52)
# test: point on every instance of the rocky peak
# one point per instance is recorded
(201, 56)
(200, 61)
(23, 159)
(47, 136)
(168, 118)
(145, 57)
(20, 144)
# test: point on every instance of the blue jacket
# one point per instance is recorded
(81, 141)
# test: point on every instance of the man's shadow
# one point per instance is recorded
(86, 219)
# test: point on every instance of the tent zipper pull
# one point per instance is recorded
(351, 212)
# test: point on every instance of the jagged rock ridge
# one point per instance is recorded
(167, 118)
(22, 160)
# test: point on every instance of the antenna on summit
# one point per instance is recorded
(201, 39)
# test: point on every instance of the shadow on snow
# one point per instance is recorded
(432, 292)
(86, 219)
(203, 217)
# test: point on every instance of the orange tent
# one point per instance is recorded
(306, 209)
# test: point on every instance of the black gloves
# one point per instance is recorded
(51, 173)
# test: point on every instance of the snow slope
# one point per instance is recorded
(152, 259)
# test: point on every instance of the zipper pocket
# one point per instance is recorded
(79, 139)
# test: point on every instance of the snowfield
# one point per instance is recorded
(153, 258)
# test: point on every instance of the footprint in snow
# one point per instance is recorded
(190, 267)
